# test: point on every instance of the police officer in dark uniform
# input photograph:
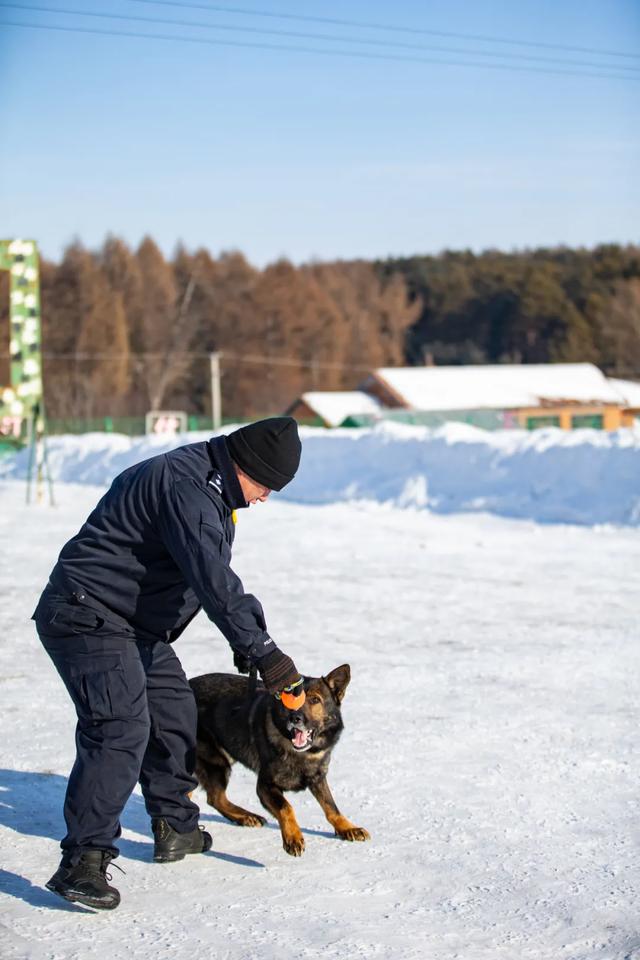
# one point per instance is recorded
(154, 551)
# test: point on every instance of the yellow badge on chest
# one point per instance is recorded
(234, 516)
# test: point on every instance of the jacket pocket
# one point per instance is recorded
(75, 619)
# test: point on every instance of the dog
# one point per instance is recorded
(238, 720)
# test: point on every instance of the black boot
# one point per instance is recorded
(82, 878)
(170, 845)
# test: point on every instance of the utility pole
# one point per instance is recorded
(216, 401)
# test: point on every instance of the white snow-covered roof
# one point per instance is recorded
(498, 387)
(628, 390)
(334, 405)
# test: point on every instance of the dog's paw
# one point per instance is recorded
(353, 833)
(294, 845)
(251, 820)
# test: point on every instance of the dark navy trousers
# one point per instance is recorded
(136, 723)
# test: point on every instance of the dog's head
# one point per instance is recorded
(318, 723)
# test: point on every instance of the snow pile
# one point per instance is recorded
(582, 476)
(550, 475)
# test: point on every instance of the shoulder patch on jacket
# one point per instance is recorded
(216, 482)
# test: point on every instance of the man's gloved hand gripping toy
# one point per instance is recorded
(276, 669)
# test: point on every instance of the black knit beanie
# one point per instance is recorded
(268, 450)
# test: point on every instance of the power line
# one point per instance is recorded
(323, 38)
(252, 358)
(394, 28)
(357, 54)
(291, 362)
(249, 358)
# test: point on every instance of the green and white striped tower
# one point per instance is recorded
(21, 402)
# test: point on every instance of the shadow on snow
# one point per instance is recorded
(31, 804)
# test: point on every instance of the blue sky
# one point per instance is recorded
(278, 152)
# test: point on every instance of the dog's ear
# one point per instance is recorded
(338, 681)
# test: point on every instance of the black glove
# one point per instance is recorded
(278, 671)
(241, 663)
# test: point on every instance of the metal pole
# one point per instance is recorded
(216, 400)
(47, 470)
(32, 453)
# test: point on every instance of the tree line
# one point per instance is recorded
(535, 306)
(125, 331)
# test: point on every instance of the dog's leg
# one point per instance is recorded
(213, 776)
(343, 827)
(272, 799)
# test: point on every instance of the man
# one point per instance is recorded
(154, 551)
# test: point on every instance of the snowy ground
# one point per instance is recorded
(490, 748)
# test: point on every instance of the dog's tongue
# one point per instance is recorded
(300, 738)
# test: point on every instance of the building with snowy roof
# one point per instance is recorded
(565, 395)
(331, 408)
(629, 390)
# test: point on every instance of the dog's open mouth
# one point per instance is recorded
(301, 739)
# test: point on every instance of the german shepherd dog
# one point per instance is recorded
(289, 750)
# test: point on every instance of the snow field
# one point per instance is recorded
(490, 748)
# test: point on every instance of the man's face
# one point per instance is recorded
(252, 491)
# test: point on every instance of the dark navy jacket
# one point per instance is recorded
(156, 549)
